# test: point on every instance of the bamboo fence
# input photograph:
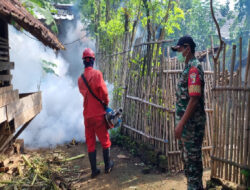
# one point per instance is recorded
(149, 97)
(231, 90)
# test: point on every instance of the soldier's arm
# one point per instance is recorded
(188, 113)
(194, 90)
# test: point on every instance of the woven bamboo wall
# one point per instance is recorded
(231, 153)
(149, 98)
(150, 105)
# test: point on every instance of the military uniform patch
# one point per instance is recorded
(193, 78)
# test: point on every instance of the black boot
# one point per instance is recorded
(92, 160)
(109, 164)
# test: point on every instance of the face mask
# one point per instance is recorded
(180, 57)
(88, 62)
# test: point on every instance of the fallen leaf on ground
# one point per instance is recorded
(121, 156)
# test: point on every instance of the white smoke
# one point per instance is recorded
(61, 118)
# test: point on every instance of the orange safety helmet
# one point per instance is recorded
(88, 53)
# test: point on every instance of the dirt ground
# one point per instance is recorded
(127, 173)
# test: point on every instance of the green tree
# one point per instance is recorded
(241, 25)
(198, 22)
(111, 19)
(240, 28)
(44, 8)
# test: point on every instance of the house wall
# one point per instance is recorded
(3, 29)
(5, 77)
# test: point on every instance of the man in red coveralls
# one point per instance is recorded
(95, 124)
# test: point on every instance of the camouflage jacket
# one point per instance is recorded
(198, 118)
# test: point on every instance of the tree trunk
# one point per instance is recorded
(97, 20)
(147, 58)
(107, 11)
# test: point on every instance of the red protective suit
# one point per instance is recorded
(93, 113)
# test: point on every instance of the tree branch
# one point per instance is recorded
(219, 33)
(165, 20)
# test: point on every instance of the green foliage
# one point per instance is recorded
(117, 94)
(163, 161)
(162, 15)
(44, 8)
(109, 23)
(198, 22)
(160, 11)
(146, 152)
(113, 28)
(115, 133)
(48, 67)
(246, 173)
(241, 24)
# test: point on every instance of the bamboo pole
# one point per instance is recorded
(220, 144)
(240, 130)
(236, 121)
(229, 88)
(246, 124)
(214, 163)
(145, 135)
(232, 112)
(223, 110)
(240, 60)
(239, 111)
(228, 113)
(227, 128)
(231, 163)
(74, 158)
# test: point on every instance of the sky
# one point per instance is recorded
(232, 2)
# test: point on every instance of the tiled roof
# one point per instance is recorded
(12, 10)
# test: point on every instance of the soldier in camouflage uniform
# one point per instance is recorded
(190, 112)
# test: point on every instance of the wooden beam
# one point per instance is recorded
(6, 89)
(4, 53)
(24, 103)
(3, 115)
(3, 43)
(27, 115)
(21, 130)
(8, 97)
(3, 39)
(5, 77)
(6, 66)
(6, 142)
(4, 47)
(4, 58)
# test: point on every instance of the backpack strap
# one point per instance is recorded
(86, 83)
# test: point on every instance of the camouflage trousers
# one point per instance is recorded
(192, 158)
